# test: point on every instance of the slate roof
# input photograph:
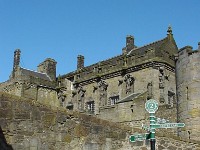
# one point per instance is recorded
(156, 45)
(129, 98)
(35, 74)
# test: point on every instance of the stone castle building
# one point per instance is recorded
(116, 89)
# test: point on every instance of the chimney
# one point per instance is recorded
(80, 62)
(129, 42)
(49, 67)
(199, 46)
(16, 60)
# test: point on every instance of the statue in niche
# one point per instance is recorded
(149, 90)
(161, 78)
(171, 98)
(162, 84)
(162, 99)
(161, 81)
(129, 80)
(81, 94)
(62, 96)
(103, 92)
(80, 103)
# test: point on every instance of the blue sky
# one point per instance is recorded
(63, 29)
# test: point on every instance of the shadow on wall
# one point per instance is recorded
(3, 144)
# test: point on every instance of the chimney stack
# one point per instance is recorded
(49, 67)
(16, 60)
(129, 42)
(80, 62)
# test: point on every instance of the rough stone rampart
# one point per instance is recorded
(28, 125)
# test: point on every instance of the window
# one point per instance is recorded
(114, 99)
(90, 106)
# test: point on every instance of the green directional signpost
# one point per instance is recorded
(152, 106)
(155, 123)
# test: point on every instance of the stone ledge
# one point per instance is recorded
(107, 107)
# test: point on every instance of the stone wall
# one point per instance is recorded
(47, 96)
(130, 113)
(32, 88)
(28, 125)
(116, 86)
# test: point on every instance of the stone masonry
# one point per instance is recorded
(29, 125)
(188, 85)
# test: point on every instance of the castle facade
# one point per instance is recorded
(116, 89)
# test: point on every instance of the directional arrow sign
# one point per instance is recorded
(139, 137)
(161, 121)
(169, 125)
(145, 127)
(132, 138)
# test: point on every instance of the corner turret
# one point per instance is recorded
(188, 81)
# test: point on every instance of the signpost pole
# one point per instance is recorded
(152, 106)
(152, 129)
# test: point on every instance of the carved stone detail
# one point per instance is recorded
(62, 96)
(129, 81)
(153, 64)
(81, 97)
(120, 81)
(94, 88)
(171, 99)
(28, 85)
(102, 92)
(149, 90)
(161, 83)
